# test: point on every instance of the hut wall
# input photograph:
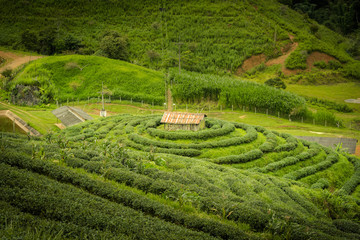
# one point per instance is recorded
(190, 127)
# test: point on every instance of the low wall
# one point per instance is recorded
(347, 143)
(19, 122)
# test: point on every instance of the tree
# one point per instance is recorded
(115, 46)
(67, 43)
(30, 40)
(47, 41)
(153, 55)
(275, 82)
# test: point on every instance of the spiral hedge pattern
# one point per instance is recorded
(227, 181)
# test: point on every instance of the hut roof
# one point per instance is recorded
(182, 118)
(70, 115)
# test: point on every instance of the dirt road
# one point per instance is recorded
(14, 60)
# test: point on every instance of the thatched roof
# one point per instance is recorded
(70, 115)
(182, 118)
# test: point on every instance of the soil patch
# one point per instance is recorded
(317, 132)
(317, 56)
(251, 62)
(287, 50)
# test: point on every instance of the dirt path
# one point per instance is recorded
(282, 58)
(357, 152)
(14, 60)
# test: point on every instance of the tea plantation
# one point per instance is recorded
(125, 177)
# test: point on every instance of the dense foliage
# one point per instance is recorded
(216, 36)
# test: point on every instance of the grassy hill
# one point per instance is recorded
(217, 36)
(125, 177)
(75, 77)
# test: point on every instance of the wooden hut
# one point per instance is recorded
(183, 121)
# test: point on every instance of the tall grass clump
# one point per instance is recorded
(193, 87)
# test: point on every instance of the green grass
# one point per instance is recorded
(336, 92)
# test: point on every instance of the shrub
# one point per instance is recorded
(115, 46)
(320, 64)
(275, 82)
(352, 70)
(334, 65)
(322, 183)
(296, 60)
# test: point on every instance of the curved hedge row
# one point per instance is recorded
(322, 183)
(84, 209)
(314, 149)
(202, 134)
(251, 135)
(354, 181)
(307, 171)
(270, 143)
(291, 143)
(189, 152)
(242, 158)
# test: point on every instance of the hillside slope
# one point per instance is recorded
(216, 36)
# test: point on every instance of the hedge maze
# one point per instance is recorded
(126, 177)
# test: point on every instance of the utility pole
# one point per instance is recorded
(179, 44)
(275, 37)
(103, 111)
